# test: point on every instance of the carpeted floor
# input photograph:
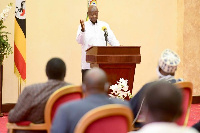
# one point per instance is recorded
(194, 114)
(194, 117)
(3, 121)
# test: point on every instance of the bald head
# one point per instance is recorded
(93, 13)
(95, 81)
(163, 101)
(92, 8)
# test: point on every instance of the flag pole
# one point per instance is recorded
(19, 86)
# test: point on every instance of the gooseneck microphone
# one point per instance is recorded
(105, 34)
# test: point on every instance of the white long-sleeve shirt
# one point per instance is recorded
(164, 127)
(94, 36)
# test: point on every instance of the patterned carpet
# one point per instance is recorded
(194, 114)
(194, 117)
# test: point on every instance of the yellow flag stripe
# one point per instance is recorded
(17, 73)
(20, 40)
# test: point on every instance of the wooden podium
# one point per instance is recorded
(117, 61)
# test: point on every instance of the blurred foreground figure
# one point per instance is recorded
(162, 106)
(95, 86)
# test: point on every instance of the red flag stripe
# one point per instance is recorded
(20, 62)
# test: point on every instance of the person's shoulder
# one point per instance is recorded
(146, 86)
(34, 86)
(103, 23)
(67, 83)
(119, 101)
(72, 105)
(173, 81)
(189, 130)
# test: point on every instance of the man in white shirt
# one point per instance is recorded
(162, 107)
(91, 33)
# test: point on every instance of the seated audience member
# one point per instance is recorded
(95, 86)
(162, 106)
(197, 126)
(166, 69)
(31, 103)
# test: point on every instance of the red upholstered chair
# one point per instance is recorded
(186, 88)
(111, 118)
(62, 95)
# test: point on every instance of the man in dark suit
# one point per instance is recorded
(95, 86)
(197, 126)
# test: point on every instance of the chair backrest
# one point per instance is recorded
(112, 118)
(186, 88)
(62, 95)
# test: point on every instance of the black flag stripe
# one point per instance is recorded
(22, 24)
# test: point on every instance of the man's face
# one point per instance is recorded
(163, 73)
(93, 14)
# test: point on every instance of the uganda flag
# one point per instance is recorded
(20, 40)
(91, 2)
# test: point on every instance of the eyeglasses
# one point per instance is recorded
(93, 13)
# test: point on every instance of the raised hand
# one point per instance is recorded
(82, 25)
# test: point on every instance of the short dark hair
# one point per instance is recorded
(56, 69)
(163, 99)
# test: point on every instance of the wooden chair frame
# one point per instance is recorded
(102, 112)
(47, 112)
(189, 85)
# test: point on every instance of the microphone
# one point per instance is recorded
(105, 30)
(105, 34)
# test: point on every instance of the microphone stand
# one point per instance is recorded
(106, 37)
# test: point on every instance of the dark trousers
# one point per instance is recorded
(84, 72)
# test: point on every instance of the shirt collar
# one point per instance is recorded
(92, 23)
(98, 95)
(159, 124)
(54, 80)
